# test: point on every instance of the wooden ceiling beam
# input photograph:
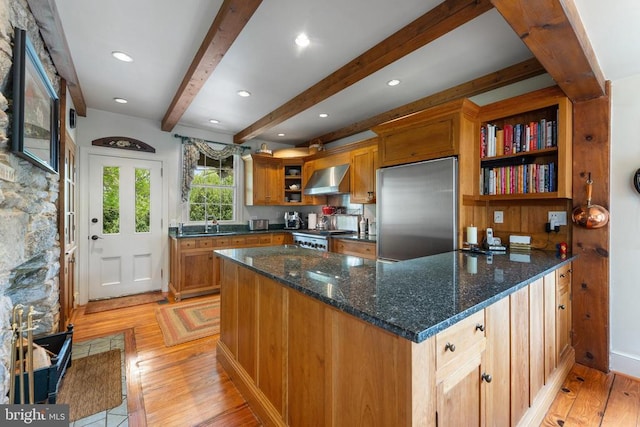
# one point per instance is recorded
(554, 33)
(513, 74)
(230, 20)
(48, 20)
(442, 19)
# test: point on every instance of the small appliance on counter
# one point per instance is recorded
(258, 224)
(312, 221)
(292, 221)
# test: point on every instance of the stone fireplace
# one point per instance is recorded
(29, 241)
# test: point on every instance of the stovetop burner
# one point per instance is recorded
(325, 232)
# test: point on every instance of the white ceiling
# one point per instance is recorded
(163, 36)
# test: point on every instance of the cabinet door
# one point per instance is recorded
(497, 357)
(519, 321)
(264, 181)
(200, 271)
(275, 183)
(536, 339)
(361, 249)
(363, 180)
(460, 395)
(563, 311)
(550, 362)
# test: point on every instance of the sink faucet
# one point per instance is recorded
(213, 222)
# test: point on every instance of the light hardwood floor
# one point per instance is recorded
(184, 385)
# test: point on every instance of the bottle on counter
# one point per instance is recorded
(363, 226)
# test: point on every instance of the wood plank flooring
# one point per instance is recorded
(184, 385)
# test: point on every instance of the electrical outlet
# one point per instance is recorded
(557, 218)
(498, 217)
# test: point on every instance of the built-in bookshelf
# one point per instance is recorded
(525, 147)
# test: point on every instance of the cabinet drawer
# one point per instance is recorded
(252, 240)
(277, 239)
(564, 275)
(238, 241)
(204, 243)
(265, 240)
(222, 242)
(362, 249)
(454, 341)
(188, 243)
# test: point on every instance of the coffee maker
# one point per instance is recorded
(292, 221)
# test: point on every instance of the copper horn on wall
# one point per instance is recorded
(590, 215)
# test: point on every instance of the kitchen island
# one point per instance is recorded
(328, 339)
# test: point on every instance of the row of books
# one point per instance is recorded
(519, 179)
(512, 139)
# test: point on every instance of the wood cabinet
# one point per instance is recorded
(524, 147)
(354, 247)
(194, 269)
(264, 180)
(563, 311)
(306, 361)
(293, 176)
(364, 162)
(429, 134)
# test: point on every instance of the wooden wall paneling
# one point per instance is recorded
(308, 389)
(536, 339)
(271, 345)
(229, 304)
(369, 388)
(550, 361)
(422, 382)
(247, 321)
(591, 154)
(519, 319)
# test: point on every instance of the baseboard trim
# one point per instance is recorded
(258, 402)
(625, 364)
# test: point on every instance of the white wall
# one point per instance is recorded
(625, 227)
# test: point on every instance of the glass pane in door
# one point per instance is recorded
(110, 200)
(143, 199)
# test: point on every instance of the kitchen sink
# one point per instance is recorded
(209, 234)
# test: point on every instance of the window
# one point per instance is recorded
(213, 190)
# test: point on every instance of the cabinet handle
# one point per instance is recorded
(486, 377)
(562, 276)
(450, 347)
(480, 327)
(562, 307)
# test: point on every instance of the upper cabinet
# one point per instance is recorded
(364, 162)
(264, 180)
(428, 134)
(524, 147)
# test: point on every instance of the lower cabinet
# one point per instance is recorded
(299, 361)
(354, 247)
(194, 267)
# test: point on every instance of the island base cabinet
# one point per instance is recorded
(298, 361)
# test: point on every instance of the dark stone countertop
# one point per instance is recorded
(414, 299)
(225, 230)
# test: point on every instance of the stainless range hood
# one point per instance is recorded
(333, 180)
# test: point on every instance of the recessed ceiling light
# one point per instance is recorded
(214, 121)
(323, 115)
(281, 134)
(394, 82)
(244, 93)
(302, 40)
(120, 100)
(121, 56)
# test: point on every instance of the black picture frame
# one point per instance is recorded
(35, 134)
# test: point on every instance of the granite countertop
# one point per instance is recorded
(414, 299)
(198, 231)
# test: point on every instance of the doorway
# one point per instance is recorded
(125, 226)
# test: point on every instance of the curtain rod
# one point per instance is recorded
(175, 135)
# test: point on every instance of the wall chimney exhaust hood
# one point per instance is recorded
(333, 180)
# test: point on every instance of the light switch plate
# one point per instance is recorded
(498, 217)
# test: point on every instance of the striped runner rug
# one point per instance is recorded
(189, 321)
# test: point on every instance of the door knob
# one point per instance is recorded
(95, 237)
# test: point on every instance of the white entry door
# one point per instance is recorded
(125, 226)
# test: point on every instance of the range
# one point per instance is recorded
(316, 239)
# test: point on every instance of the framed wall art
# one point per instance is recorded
(35, 134)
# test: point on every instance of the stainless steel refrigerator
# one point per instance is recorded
(417, 209)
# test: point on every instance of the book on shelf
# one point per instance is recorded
(518, 179)
(517, 138)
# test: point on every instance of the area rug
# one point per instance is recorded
(92, 384)
(122, 302)
(188, 321)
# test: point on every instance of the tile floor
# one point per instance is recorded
(118, 416)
